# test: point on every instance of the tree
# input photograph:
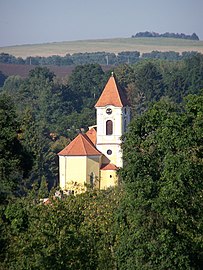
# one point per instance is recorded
(125, 75)
(2, 78)
(15, 162)
(175, 84)
(12, 85)
(87, 82)
(160, 218)
(75, 232)
(38, 112)
(150, 82)
(45, 236)
(43, 189)
(194, 74)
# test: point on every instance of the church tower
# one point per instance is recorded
(93, 159)
(113, 117)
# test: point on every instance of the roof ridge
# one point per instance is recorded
(82, 142)
(85, 137)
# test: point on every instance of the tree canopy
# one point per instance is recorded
(162, 213)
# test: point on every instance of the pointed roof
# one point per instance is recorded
(109, 167)
(80, 146)
(112, 95)
(92, 135)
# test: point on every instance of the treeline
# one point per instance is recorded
(153, 220)
(101, 58)
(165, 35)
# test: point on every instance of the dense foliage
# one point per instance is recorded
(2, 78)
(166, 35)
(153, 220)
(101, 58)
(161, 216)
(69, 233)
(15, 161)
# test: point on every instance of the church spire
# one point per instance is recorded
(112, 95)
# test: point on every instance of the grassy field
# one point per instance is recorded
(108, 45)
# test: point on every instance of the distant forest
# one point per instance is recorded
(166, 35)
(101, 58)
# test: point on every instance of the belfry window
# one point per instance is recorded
(109, 127)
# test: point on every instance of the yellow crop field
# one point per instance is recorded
(105, 45)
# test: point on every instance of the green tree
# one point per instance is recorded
(87, 81)
(2, 78)
(39, 111)
(75, 232)
(14, 160)
(43, 189)
(11, 85)
(160, 218)
(55, 237)
(194, 74)
(175, 84)
(150, 82)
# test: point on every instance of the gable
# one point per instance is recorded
(80, 146)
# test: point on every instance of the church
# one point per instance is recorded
(93, 159)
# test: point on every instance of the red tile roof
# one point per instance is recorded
(80, 146)
(109, 167)
(92, 135)
(112, 95)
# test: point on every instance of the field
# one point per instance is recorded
(23, 70)
(104, 45)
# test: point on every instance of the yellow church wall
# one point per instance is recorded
(93, 167)
(108, 179)
(72, 174)
(76, 169)
(75, 172)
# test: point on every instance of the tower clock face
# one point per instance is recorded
(108, 111)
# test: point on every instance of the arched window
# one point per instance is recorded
(109, 127)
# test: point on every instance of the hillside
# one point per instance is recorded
(108, 45)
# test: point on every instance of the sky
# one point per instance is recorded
(41, 21)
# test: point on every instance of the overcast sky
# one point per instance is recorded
(40, 21)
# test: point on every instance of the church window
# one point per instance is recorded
(109, 152)
(109, 127)
(108, 111)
